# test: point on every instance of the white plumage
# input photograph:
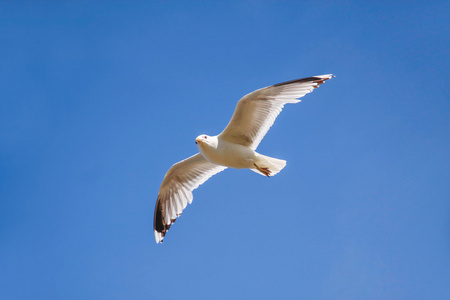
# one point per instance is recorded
(235, 147)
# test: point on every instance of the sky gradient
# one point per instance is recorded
(99, 99)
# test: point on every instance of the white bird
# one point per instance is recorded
(234, 147)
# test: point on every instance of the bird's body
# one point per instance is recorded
(224, 153)
(234, 148)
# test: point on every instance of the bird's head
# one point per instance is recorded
(206, 140)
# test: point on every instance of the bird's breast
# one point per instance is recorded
(229, 155)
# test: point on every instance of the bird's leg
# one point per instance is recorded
(265, 171)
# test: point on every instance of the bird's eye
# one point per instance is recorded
(206, 137)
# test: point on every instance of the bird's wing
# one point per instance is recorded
(176, 190)
(256, 112)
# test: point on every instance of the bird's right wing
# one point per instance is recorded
(176, 190)
(256, 112)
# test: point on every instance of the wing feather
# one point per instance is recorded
(176, 190)
(256, 112)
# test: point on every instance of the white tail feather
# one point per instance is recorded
(274, 165)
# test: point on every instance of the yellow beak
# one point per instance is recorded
(198, 140)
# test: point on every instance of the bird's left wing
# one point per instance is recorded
(176, 190)
(256, 112)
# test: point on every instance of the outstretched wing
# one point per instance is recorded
(176, 190)
(256, 112)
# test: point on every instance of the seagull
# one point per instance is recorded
(235, 148)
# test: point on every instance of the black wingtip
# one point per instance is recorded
(317, 79)
(159, 225)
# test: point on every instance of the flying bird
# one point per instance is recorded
(233, 148)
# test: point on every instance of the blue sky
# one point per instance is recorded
(99, 99)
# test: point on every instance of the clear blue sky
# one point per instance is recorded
(99, 99)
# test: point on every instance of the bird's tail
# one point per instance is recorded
(268, 166)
